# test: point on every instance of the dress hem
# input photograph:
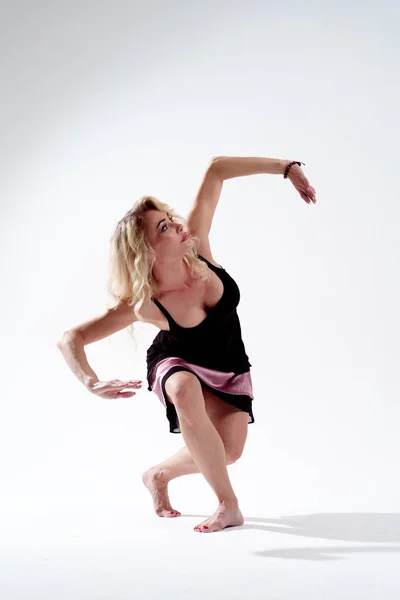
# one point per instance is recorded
(241, 401)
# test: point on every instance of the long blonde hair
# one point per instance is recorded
(131, 258)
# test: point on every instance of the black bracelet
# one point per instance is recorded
(295, 162)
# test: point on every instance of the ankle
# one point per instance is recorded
(162, 475)
(156, 473)
(230, 502)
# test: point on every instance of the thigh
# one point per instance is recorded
(230, 422)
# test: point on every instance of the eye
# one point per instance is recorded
(165, 225)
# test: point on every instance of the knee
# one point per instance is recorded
(232, 456)
(184, 391)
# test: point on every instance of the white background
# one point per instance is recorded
(103, 102)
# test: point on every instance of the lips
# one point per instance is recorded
(184, 237)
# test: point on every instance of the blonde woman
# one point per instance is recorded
(162, 272)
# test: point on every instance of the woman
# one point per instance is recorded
(162, 272)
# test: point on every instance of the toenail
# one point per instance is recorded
(205, 526)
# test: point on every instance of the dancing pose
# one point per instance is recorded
(162, 272)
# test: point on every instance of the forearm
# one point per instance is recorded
(72, 348)
(237, 166)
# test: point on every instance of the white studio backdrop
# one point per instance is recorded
(103, 103)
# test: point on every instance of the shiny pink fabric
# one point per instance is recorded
(219, 380)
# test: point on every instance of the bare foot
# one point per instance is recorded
(158, 488)
(224, 516)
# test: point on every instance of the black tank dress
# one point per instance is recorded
(213, 350)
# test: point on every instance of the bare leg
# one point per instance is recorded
(208, 452)
(206, 447)
(157, 478)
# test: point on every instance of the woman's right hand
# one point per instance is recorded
(113, 389)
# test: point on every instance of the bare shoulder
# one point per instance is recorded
(150, 313)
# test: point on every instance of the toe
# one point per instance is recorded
(167, 512)
(201, 528)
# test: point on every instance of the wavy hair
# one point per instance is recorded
(131, 258)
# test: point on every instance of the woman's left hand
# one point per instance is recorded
(301, 183)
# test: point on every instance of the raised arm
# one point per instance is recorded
(220, 168)
(228, 167)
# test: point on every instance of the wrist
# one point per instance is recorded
(89, 381)
(292, 164)
(284, 165)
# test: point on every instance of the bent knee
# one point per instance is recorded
(185, 392)
(232, 456)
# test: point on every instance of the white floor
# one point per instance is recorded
(112, 549)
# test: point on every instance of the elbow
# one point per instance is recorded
(60, 341)
(214, 161)
(215, 166)
(66, 337)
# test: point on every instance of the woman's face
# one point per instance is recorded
(164, 235)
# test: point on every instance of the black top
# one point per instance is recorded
(215, 343)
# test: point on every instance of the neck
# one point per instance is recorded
(170, 274)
